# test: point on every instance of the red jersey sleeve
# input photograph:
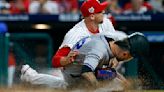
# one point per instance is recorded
(59, 54)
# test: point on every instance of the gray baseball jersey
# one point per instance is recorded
(94, 52)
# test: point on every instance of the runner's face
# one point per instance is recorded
(122, 55)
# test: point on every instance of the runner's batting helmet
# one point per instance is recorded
(139, 45)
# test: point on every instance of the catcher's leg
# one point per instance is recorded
(30, 75)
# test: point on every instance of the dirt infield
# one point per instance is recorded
(22, 89)
(113, 86)
(28, 88)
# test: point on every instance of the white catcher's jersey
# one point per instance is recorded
(80, 31)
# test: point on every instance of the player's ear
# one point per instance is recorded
(124, 54)
(127, 55)
(92, 17)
